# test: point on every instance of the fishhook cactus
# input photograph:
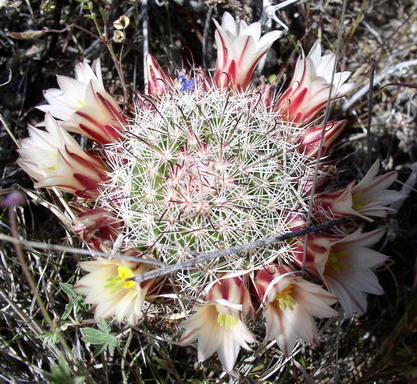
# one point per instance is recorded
(202, 164)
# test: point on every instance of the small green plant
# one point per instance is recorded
(60, 374)
(76, 301)
(101, 337)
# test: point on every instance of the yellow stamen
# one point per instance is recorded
(118, 282)
(80, 104)
(54, 167)
(126, 273)
(333, 261)
(227, 321)
(358, 204)
(285, 299)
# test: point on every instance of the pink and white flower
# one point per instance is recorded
(319, 182)
(159, 81)
(345, 265)
(218, 324)
(309, 141)
(84, 106)
(311, 86)
(239, 50)
(290, 302)
(98, 228)
(55, 159)
(107, 288)
(370, 197)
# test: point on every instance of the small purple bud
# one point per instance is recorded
(12, 199)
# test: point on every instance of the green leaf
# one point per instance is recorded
(67, 312)
(67, 288)
(61, 374)
(76, 301)
(49, 339)
(94, 336)
(103, 325)
(99, 350)
(101, 337)
(113, 343)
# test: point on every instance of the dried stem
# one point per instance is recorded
(18, 241)
(325, 120)
(44, 311)
(368, 126)
(145, 33)
(203, 257)
(7, 128)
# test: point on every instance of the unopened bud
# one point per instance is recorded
(121, 23)
(12, 199)
(118, 36)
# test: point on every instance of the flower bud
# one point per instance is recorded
(159, 81)
(311, 87)
(55, 159)
(239, 50)
(84, 106)
(311, 138)
(98, 228)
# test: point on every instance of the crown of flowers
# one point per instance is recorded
(212, 164)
